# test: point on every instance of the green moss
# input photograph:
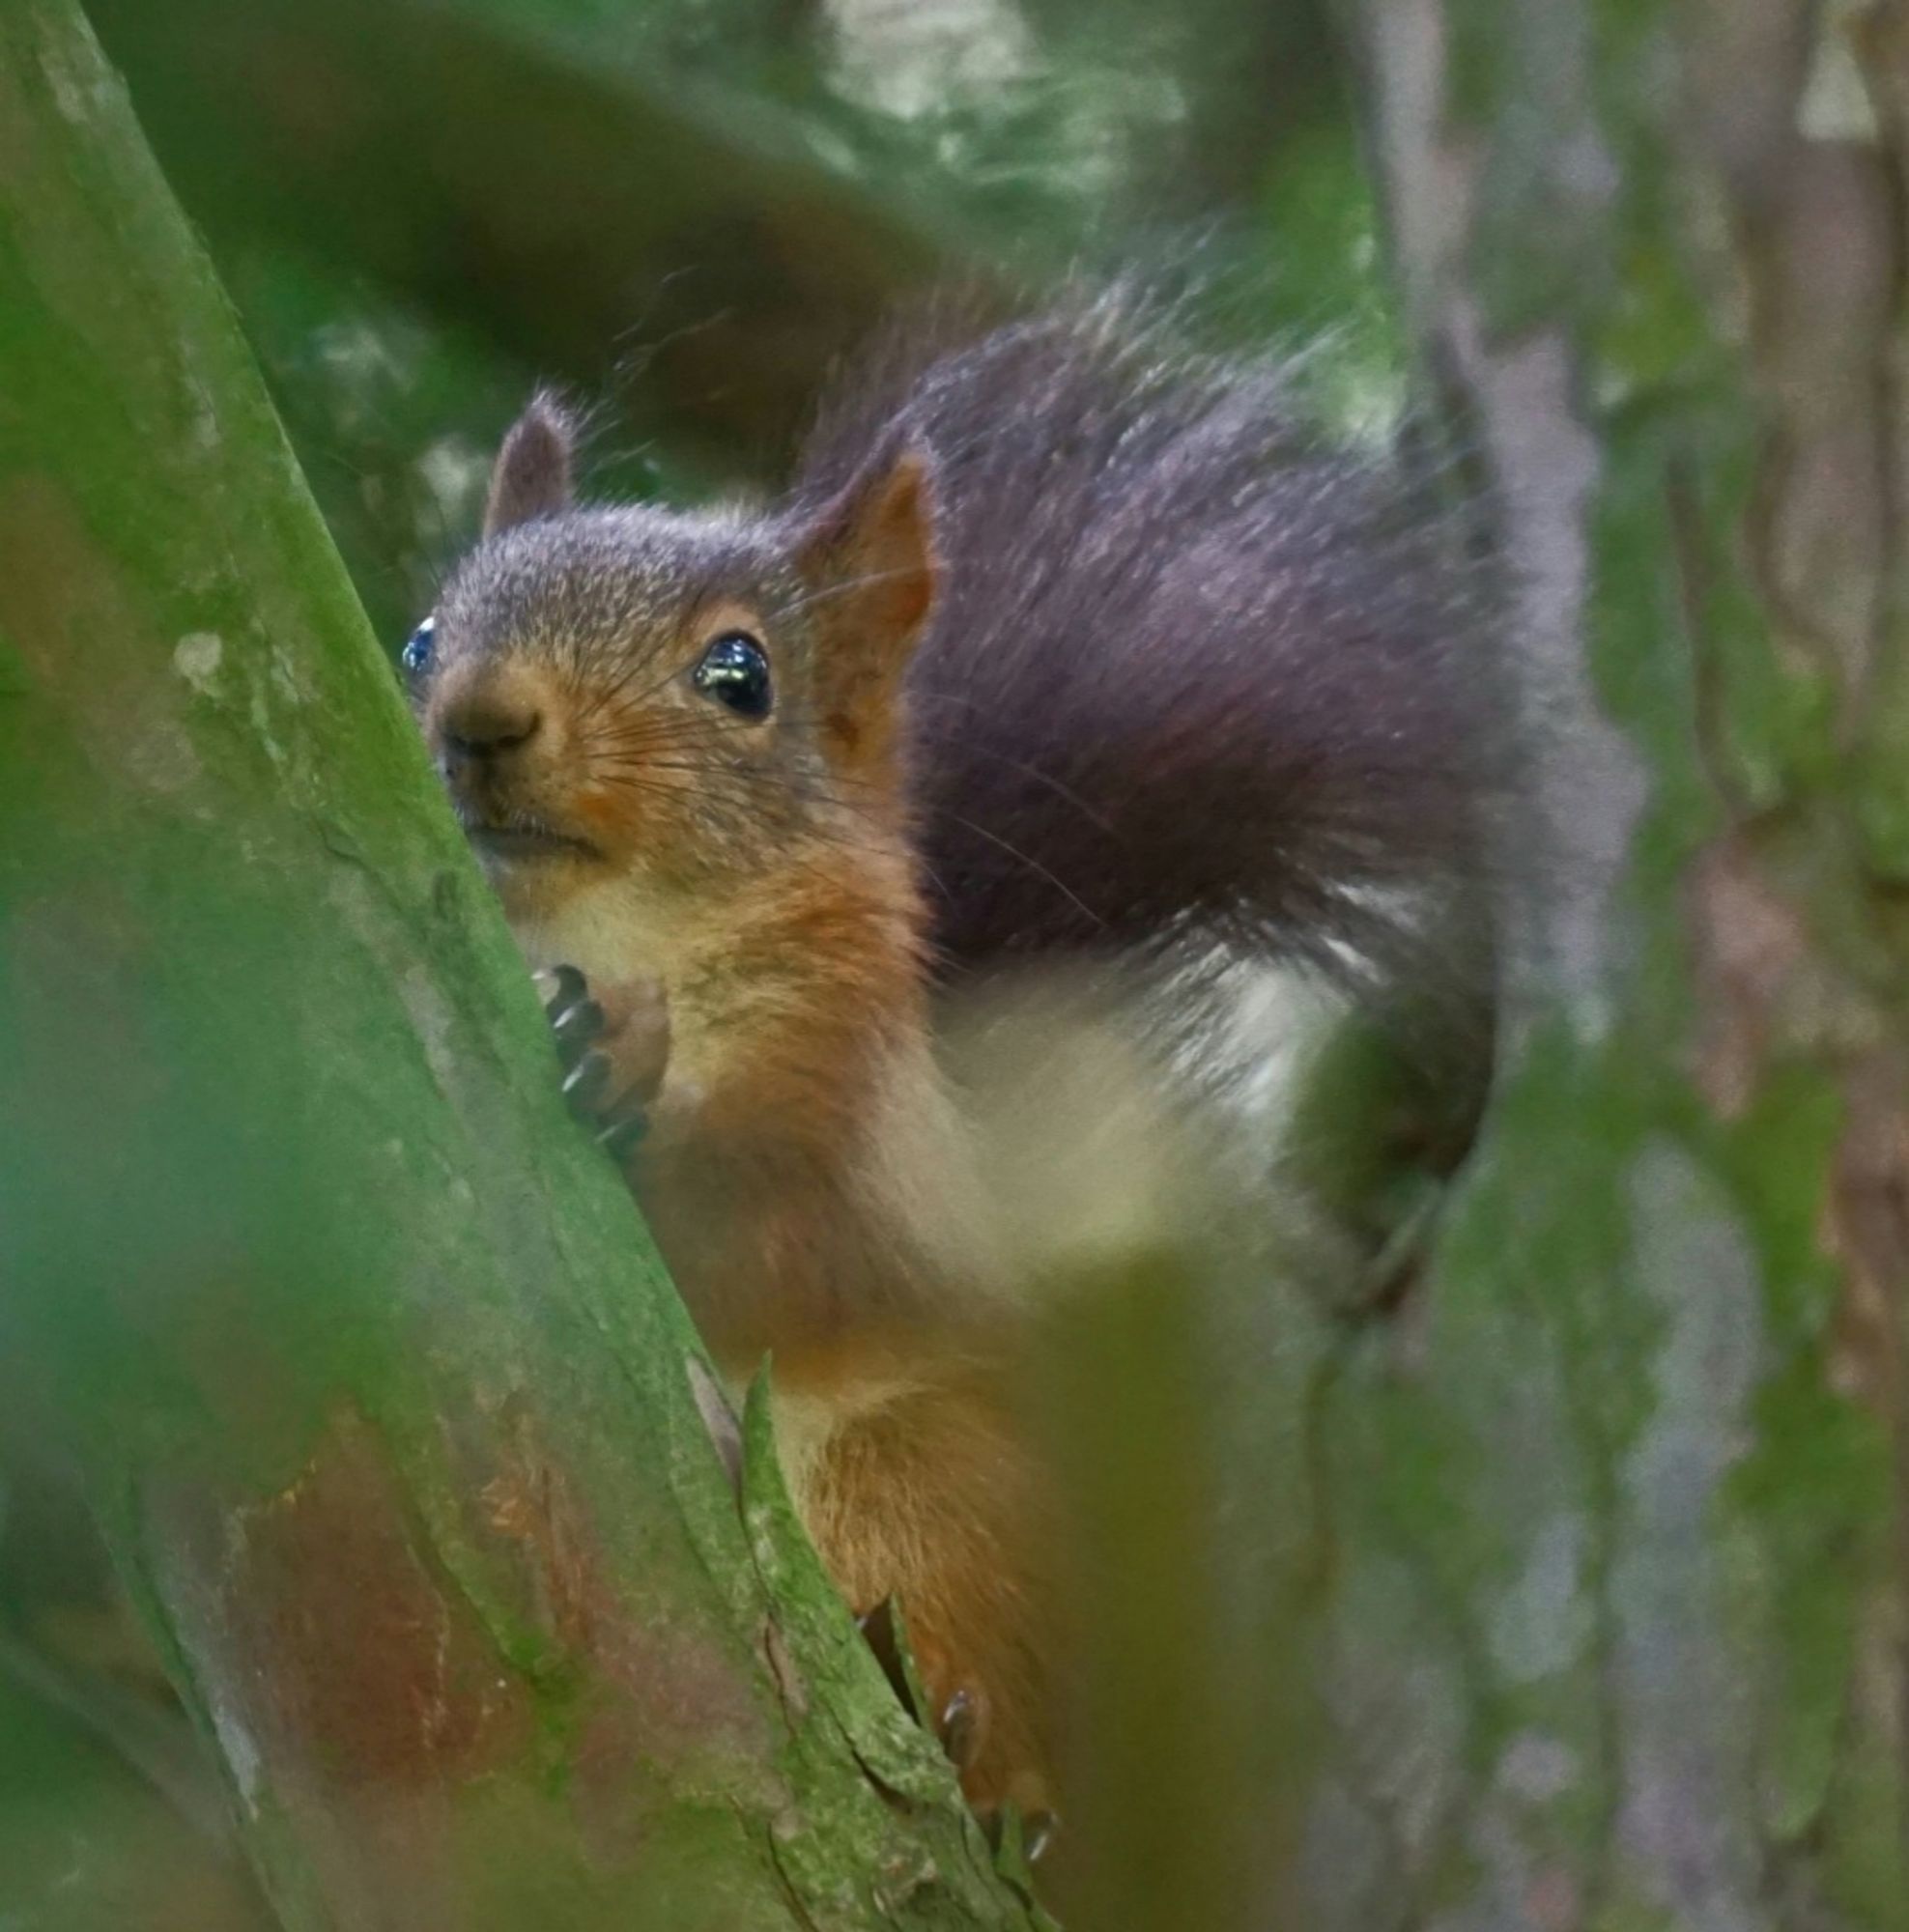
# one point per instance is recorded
(291, 1215)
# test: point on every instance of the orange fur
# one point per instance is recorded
(925, 1490)
(894, 1378)
(741, 895)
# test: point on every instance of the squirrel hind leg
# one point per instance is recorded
(931, 1500)
(961, 1726)
(959, 1721)
(996, 1764)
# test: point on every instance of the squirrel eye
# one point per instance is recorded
(415, 657)
(735, 671)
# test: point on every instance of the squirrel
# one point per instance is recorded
(1066, 643)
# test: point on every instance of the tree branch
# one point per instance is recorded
(380, 1392)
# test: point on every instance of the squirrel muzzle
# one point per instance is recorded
(498, 739)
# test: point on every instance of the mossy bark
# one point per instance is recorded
(385, 1406)
(1617, 1501)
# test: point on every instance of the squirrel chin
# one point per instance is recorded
(565, 910)
(535, 877)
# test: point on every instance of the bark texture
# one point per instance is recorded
(387, 1409)
(1617, 1617)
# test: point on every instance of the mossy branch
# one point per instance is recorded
(378, 1387)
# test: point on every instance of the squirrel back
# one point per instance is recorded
(1195, 679)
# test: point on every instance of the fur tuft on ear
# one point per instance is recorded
(531, 477)
(868, 559)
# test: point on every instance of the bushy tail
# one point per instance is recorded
(1197, 678)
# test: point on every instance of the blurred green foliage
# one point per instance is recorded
(88, 1845)
(1054, 131)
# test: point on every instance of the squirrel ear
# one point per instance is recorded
(868, 560)
(531, 477)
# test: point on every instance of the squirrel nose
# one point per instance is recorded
(487, 725)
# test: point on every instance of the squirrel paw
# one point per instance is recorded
(1039, 1830)
(959, 1719)
(613, 1046)
(957, 1723)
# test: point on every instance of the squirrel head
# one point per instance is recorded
(674, 702)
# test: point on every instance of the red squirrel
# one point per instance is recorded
(1065, 643)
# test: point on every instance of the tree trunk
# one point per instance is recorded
(1618, 1501)
(387, 1412)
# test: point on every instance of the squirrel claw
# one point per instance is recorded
(577, 1025)
(576, 1020)
(960, 1727)
(593, 1038)
(961, 1718)
(622, 1132)
(586, 1083)
(558, 986)
(1038, 1832)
